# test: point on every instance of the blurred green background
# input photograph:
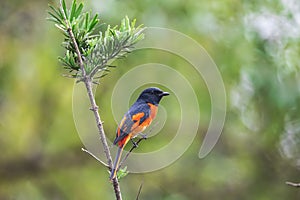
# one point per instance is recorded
(256, 46)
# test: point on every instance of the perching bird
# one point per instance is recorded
(136, 120)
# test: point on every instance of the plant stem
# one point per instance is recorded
(95, 157)
(94, 108)
(293, 184)
(88, 84)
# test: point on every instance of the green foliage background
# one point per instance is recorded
(255, 44)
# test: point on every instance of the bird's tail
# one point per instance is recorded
(116, 163)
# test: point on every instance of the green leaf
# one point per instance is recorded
(133, 23)
(60, 27)
(122, 173)
(73, 11)
(54, 18)
(127, 23)
(97, 48)
(79, 10)
(57, 12)
(87, 16)
(64, 7)
(93, 23)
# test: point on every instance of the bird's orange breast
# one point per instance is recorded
(153, 110)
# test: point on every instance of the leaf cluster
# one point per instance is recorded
(96, 47)
(114, 43)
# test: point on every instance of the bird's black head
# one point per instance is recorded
(152, 95)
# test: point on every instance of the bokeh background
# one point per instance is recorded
(256, 46)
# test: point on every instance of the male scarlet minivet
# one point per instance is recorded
(136, 120)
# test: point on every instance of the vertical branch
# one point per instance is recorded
(94, 108)
(88, 84)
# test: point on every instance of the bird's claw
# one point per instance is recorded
(144, 136)
(135, 145)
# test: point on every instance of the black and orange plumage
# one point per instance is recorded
(136, 120)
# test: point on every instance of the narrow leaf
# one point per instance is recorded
(87, 16)
(64, 8)
(93, 23)
(57, 12)
(73, 9)
(79, 9)
(54, 18)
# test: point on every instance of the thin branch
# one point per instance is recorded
(140, 190)
(95, 157)
(132, 148)
(293, 184)
(144, 137)
(94, 107)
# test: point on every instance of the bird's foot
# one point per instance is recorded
(144, 136)
(135, 145)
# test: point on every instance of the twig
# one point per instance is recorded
(88, 84)
(132, 148)
(293, 184)
(144, 137)
(139, 192)
(95, 157)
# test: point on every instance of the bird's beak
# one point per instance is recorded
(164, 94)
